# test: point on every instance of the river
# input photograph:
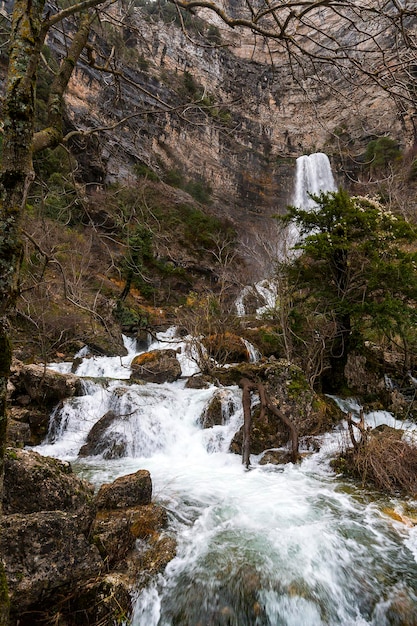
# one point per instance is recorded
(290, 545)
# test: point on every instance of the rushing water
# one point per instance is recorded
(276, 545)
(313, 175)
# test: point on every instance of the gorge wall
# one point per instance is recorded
(218, 112)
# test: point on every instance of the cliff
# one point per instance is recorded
(213, 105)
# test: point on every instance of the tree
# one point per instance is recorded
(355, 275)
(298, 28)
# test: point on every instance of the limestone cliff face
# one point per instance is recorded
(223, 115)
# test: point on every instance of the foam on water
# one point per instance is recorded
(286, 545)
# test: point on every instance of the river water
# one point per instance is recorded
(275, 545)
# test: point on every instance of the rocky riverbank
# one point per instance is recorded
(72, 556)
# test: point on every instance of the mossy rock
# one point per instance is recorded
(226, 348)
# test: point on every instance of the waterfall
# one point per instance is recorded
(282, 545)
(313, 175)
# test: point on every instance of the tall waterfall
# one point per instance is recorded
(313, 175)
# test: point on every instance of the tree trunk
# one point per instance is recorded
(247, 387)
(16, 174)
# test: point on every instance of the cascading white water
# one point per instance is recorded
(287, 545)
(313, 175)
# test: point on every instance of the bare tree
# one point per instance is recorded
(375, 40)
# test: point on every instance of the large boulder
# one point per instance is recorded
(74, 559)
(34, 391)
(156, 366)
(126, 491)
(100, 441)
(43, 552)
(42, 385)
(287, 387)
(35, 483)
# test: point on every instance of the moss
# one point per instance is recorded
(4, 598)
(297, 383)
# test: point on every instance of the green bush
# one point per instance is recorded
(143, 171)
(380, 153)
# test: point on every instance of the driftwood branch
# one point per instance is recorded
(248, 387)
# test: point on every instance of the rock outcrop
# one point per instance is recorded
(289, 390)
(34, 390)
(35, 483)
(156, 366)
(68, 553)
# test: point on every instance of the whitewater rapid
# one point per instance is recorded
(285, 545)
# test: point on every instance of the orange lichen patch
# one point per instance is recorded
(141, 359)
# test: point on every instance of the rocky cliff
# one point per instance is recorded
(214, 106)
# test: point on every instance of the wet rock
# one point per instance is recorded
(43, 552)
(147, 519)
(197, 382)
(156, 366)
(275, 457)
(126, 491)
(154, 555)
(217, 410)
(115, 532)
(36, 483)
(109, 445)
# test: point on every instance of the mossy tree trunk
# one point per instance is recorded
(16, 173)
(27, 37)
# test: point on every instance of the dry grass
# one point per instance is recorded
(383, 460)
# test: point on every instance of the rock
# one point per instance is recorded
(36, 483)
(18, 433)
(275, 457)
(43, 552)
(226, 348)
(110, 445)
(126, 491)
(197, 382)
(288, 388)
(106, 600)
(147, 519)
(43, 386)
(217, 410)
(156, 366)
(33, 393)
(115, 532)
(112, 535)
(154, 555)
